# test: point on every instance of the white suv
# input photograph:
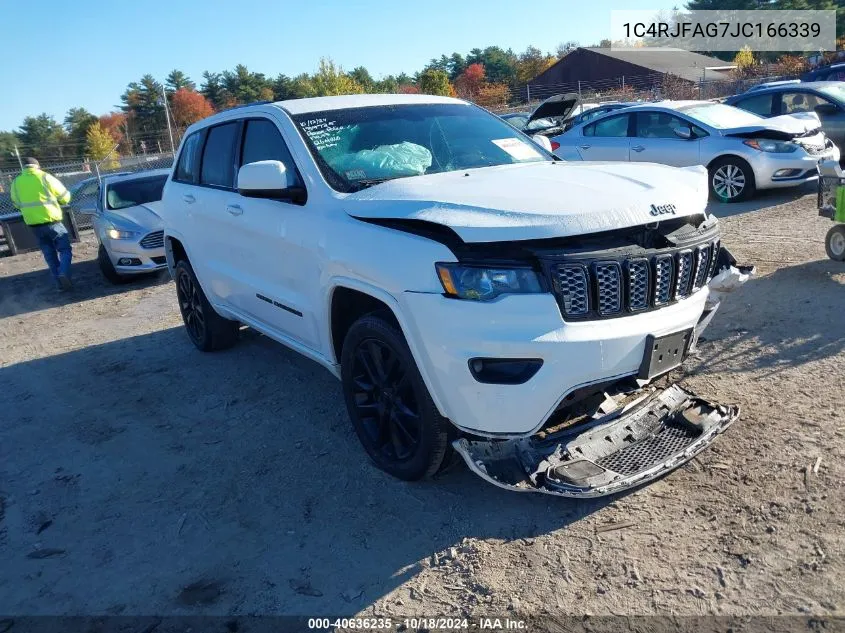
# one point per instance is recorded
(472, 292)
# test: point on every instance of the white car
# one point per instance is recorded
(127, 224)
(472, 292)
(743, 152)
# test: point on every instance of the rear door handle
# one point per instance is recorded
(584, 147)
(638, 148)
(234, 209)
(189, 198)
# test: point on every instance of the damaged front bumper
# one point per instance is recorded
(650, 436)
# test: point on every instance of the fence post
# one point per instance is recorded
(528, 92)
(579, 90)
(623, 83)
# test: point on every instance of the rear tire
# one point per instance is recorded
(107, 268)
(834, 243)
(730, 179)
(207, 330)
(390, 407)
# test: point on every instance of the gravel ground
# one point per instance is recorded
(140, 476)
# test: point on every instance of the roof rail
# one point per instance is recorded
(772, 84)
(244, 105)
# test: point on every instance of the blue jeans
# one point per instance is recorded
(55, 244)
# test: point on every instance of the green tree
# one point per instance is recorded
(213, 90)
(42, 137)
(362, 77)
(302, 86)
(77, 121)
(177, 80)
(499, 65)
(435, 82)
(8, 141)
(331, 80)
(243, 86)
(101, 146)
(143, 103)
(531, 63)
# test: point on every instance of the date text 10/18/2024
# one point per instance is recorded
(414, 624)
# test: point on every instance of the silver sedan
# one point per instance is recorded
(742, 151)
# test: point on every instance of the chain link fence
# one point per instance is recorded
(82, 180)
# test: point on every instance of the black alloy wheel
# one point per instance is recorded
(207, 330)
(384, 400)
(388, 402)
(191, 307)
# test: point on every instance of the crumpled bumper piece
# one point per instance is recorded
(648, 438)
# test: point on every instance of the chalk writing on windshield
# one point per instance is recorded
(323, 133)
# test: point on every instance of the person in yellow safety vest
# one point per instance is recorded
(40, 197)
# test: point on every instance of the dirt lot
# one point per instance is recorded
(140, 476)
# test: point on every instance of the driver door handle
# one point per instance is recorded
(189, 198)
(234, 209)
(584, 147)
(638, 148)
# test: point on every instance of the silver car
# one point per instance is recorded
(127, 225)
(742, 151)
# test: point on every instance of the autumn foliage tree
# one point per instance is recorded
(100, 145)
(189, 106)
(469, 82)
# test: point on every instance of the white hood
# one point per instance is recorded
(142, 217)
(798, 124)
(538, 200)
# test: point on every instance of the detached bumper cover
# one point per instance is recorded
(650, 437)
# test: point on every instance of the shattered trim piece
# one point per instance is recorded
(671, 419)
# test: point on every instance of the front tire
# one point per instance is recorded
(731, 179)
(390, 407)
(207, 330)
(107, 268)
(834, 243)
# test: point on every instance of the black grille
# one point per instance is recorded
(159, 260)
(609, 288)
(588, 288)
(638, 275)
(153, 240)
(702, 265)
(684, 274)
(649, 452)
(663, 275)
(572, 290)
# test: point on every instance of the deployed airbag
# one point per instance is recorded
(385, 161)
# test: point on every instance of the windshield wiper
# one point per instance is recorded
(369, 182)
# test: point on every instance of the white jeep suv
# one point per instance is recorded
(472, 292)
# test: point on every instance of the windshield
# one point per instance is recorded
(358, 147)
(130, 193)
(836, 93)
(721, 116)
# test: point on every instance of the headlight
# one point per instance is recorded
(767, 145)
(121, 235)
(483, 283)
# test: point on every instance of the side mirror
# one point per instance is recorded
(543, 141)
(268, 179)
(683, 132)
(826, 109)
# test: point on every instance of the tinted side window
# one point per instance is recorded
(218, 159)
(262, 141)
(186, 168)
(792, 102)
(659, 125)
(615, 126)
(760, 104)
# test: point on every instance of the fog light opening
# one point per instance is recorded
(504, 371)
(128, 261)
(786, 173)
